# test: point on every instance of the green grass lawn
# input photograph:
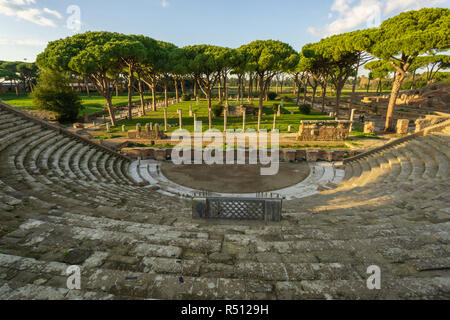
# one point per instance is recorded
(91, 104)
(283, 122)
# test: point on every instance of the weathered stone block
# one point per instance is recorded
(338, 155)
(300, 155)
(289, 155)
(402, 126)
(160, 154)
(132, 134)
(78, 126)
(324, 130)
(369, 127)
(324, 155)
(312, 155)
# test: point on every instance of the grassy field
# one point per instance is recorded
(96, 103)
(283, 122)
(91, 104)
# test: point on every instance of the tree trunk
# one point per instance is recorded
(177, 97)
(324, 93)
(353, 98)
(208, 96)
(368, 85)
(239, 88)
(250, 87)
(306, 89)
(166, 97)
(261, 102)
(153, 87)
(282, 84)
(182, 86)
(87, 87)
(141, 95)
(225, 90)
(313, 100)
(220, 91)
(195, 90)
(413, 80)
(111, 111)
(399, 78)
(338, 101)
(130, 92)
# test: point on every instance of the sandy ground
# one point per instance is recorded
(235, 178)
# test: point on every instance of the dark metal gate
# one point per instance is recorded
(262, 209)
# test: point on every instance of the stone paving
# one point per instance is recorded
(64, 203)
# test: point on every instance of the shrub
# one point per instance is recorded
(53, 93)
(304, 108)
(217, 110)
(186, 97)
(272, 95)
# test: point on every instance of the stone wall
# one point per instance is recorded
(324, 131)
(429, 121)
(237, 111)
(150, 135)
(286, 155)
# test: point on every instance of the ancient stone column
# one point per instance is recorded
(369, 127)
(166, 128)
(244, 120)
(108, 127)
(157, 130)
(274, 121)
(289, 128)
(352, 118)
(180, 117)
(279, 111)
(123, 128)
(138, 130)
(225, 119)
(147, 128)
(195, 121)
(151, 126)
(190, 110)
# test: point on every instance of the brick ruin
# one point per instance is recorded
(324, 130)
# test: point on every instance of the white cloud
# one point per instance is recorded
(23, 10)
(23, 42)
(352, 14)
(165, 3)
(53, 12)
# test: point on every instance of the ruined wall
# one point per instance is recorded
(324, 131)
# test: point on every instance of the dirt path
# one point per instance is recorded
(235, 178)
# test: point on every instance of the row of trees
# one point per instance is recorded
(398, 44)
(20, 75)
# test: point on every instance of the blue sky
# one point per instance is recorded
(27, 25)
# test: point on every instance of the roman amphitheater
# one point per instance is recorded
(67, 201)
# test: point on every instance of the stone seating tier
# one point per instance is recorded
(65, 201)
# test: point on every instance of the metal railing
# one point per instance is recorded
(227, 208)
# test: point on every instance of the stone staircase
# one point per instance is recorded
(66, 202)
